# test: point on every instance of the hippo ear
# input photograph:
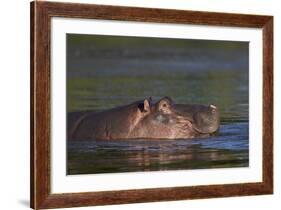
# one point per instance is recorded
(146, 106)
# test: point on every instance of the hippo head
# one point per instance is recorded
(165, 119)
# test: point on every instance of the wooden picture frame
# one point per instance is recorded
(41, 14)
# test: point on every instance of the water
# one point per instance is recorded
(104, 72)
(229, 149)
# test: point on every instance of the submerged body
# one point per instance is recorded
(145, 120)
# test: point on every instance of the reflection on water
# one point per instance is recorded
(104, 72)
(230, 149)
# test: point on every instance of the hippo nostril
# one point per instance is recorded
(213, 106)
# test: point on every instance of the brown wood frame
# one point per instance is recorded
(41, 14)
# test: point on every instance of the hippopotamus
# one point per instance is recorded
(144, 119)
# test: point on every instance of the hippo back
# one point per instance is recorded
(110, 124)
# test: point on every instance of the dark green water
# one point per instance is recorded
(104, 72)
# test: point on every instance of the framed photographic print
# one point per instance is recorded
(140, 105)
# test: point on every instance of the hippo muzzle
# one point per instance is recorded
(204, 119)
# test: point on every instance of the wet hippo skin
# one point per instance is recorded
(145, 120)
